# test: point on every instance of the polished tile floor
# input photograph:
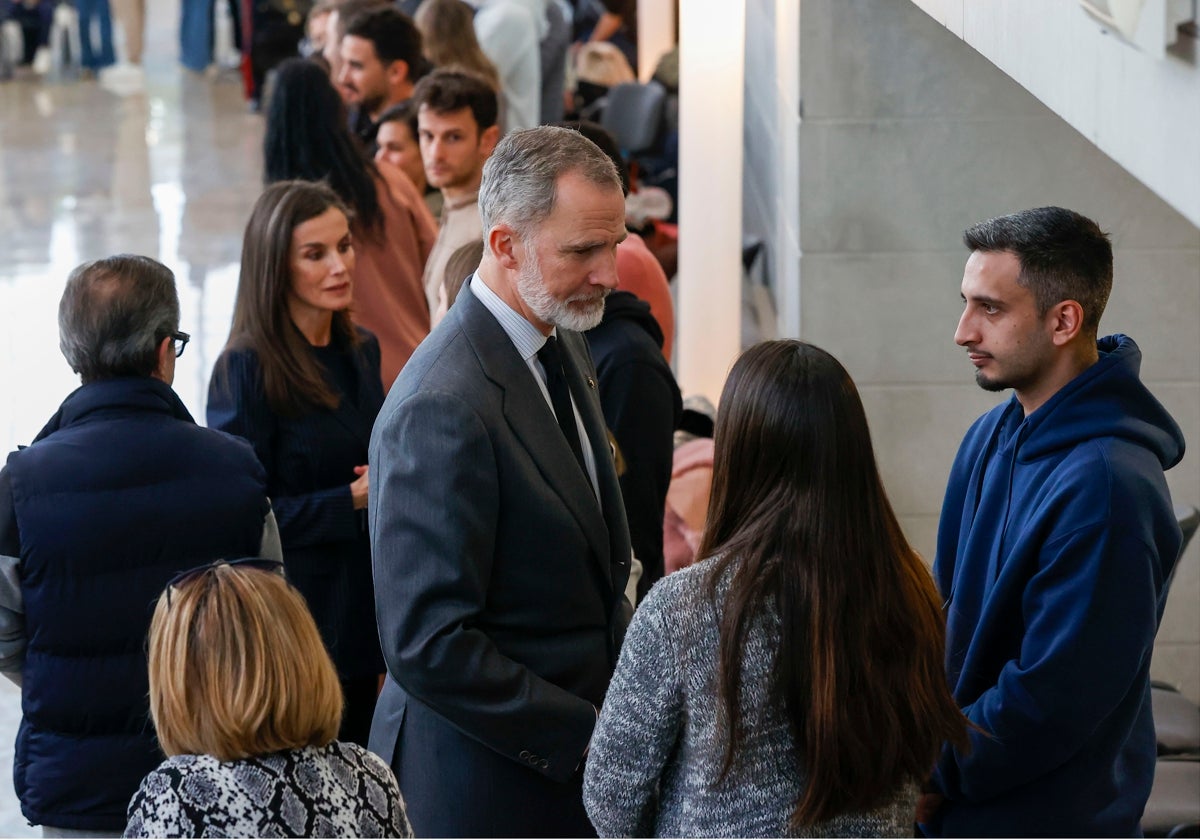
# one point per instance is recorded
(170, 169)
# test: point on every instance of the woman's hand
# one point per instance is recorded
(358, 488)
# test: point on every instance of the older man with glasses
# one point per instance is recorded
(115, 495)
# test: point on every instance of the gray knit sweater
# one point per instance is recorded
(657, 750)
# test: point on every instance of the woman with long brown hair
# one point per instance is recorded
(448, 39)
(791, 683)
(301, 383)
(306, 138)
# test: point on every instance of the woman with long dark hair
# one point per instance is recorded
(307, 139)
(301, 383)
(791, 683)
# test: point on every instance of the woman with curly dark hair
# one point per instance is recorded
(307, 139)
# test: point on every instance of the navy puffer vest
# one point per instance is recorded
(119, 492)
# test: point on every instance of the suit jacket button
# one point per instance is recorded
(543, 764)
(524, 755)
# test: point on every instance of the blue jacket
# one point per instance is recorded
(119, 492)
(309, 460)
(1056, 539)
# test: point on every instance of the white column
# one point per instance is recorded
(712, 39)
(656, 34)
(785, 250)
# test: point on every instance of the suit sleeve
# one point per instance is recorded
(433, 529)
(238, 405)
(638, 728)
(1090, 615)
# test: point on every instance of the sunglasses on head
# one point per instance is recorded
(260, 563)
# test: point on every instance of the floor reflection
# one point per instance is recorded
(169, 169)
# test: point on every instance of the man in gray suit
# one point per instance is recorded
(500, 546)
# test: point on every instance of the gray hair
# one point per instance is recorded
(113, 315)
(520, 178)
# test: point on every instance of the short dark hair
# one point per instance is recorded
(405, 112)
(395, 36)
(113, 315)
(446, 91)
(1063, 256)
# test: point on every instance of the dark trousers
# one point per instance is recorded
(360, 694)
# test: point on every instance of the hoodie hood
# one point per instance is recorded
(626, 306)
(1106, 400)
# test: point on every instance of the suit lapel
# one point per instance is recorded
(532, 420)
(358, 417)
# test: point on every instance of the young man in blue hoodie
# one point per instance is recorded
(1056, 539)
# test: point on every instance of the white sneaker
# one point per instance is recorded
(123, 78)
(123, 71)
(42, 61)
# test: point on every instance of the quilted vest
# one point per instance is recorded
(117, 494)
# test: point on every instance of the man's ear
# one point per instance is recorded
(503, 241)
(165, 355)
(397, 72)
(1065, 322)
(488, 138)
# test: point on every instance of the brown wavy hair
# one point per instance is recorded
(799, 519)
(292, 378)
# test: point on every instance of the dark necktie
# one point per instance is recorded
(560, 396)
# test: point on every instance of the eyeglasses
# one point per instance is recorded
(179, 341)
(260, 563)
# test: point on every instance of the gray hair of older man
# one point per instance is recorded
(520, 179)
(113, 315)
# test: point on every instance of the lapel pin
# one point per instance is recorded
(591, 383)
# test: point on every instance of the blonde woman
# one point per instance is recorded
(247, 705)
(448, 35)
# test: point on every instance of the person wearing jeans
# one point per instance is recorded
(88, 10)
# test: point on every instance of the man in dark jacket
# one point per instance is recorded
(642, 405)
(1056, 540)
(119, 492)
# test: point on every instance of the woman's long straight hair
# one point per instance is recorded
(307, 139)
(799, 513)
(448, 33)
(292, 378)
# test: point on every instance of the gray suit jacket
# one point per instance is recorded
(499, 576)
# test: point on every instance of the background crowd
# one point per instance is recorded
(435, 483)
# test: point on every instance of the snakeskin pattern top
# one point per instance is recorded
(339, 790)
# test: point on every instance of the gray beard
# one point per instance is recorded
(549, 309)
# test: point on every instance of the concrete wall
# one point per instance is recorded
(1108, 90)
(908, 135)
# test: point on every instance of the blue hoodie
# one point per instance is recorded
(1056, 539)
